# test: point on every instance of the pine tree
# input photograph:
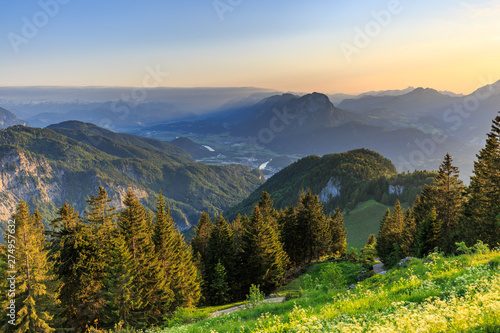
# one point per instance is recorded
(199, 243)
(33, 296)
(176, 258)
(311, 223)
(427, 232)
(408, 235)
(99, 221)
(292, 236)
(69, 240)
(268, 212)
(199, 246)
(389, 237)
(338, 245)
(219, 285)
(120, 291)
(221, 248)
(482, 210)
(369, 252)
(155, 297)
(448, 202)
(262, 253)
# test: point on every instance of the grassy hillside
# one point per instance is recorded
(433, 294)
(363, 221)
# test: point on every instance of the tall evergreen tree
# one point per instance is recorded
(120, 291)
(338, 245)
(311, 223)
(263, 256)
(268, 212)
(69, 242)
(221, 248)
(448, 202)
(408, 235)
(99, 221)
(482, 210)
(199, 242)
(292, 236)
(389, 237)
(156, 297)
(175, 257)
(33, 296)
(199, 245)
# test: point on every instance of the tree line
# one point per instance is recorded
(133, 268)
(447, 212)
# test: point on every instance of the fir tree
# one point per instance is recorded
(292, 236)
(263, 256)
(219, 287)
(408, 235)
(69, 240)
(311, 223)
(155, 297)
(33, 295)
(448, 202)
(199, 246)
(338, 245)
(221, 248)
(120, 291)
(482, 210)
(99, 221)
(369, 252)
(199, 243)
(389, 237)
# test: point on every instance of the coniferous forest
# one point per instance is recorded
(104, 268)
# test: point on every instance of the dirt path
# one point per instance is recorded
(240, 307)
(378, 268)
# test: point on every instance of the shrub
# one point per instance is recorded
(255, 297)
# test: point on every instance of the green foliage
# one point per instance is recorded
(35, 292)
(255, 297)
(263, 259)
(332, 276)
(461, 247)
(219, 287)
(483, 206)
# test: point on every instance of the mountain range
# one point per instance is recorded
(68, 161)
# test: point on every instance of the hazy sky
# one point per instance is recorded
(322, 45)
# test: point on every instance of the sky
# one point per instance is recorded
(329, 46)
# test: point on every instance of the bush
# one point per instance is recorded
(332, 277)
(255, 297)
(481, 248)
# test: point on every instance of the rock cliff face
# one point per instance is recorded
(36, 181)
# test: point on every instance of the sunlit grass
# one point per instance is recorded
(434, 294)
